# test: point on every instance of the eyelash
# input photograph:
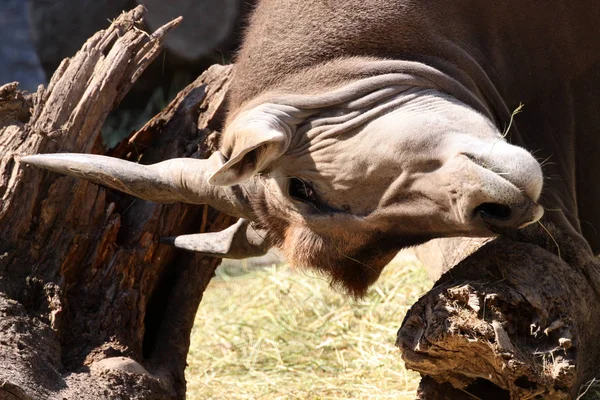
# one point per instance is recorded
(301, 190)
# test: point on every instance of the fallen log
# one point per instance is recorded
(518, 319)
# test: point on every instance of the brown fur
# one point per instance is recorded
(303, 46)
(351, 259)
(504, 53)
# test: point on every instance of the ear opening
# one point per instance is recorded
(237, 170)
(255, 140)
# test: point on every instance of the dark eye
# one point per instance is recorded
(300, 190)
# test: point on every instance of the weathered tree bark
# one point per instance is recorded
(518, 319)
(91, 304)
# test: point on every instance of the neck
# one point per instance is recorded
(350, 80)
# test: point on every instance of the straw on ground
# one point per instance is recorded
(274, 333)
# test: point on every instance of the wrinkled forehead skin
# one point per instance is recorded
(372, 167)
(389, 167)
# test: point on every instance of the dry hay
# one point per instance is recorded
(273, 333)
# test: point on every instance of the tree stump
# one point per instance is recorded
(91, 304)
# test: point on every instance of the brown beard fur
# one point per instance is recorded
(335, 257)
(351, 258)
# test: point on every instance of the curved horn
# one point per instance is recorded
(178, 179)
(240, 240)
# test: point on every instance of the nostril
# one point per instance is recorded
(493, 211)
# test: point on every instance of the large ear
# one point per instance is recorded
(253, 141)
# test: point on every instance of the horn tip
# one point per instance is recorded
(46, 159)
(32, 159)
(60, 162)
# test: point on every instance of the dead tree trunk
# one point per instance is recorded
(518, 319)
(91, 304)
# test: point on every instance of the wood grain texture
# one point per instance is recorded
(87, 292)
